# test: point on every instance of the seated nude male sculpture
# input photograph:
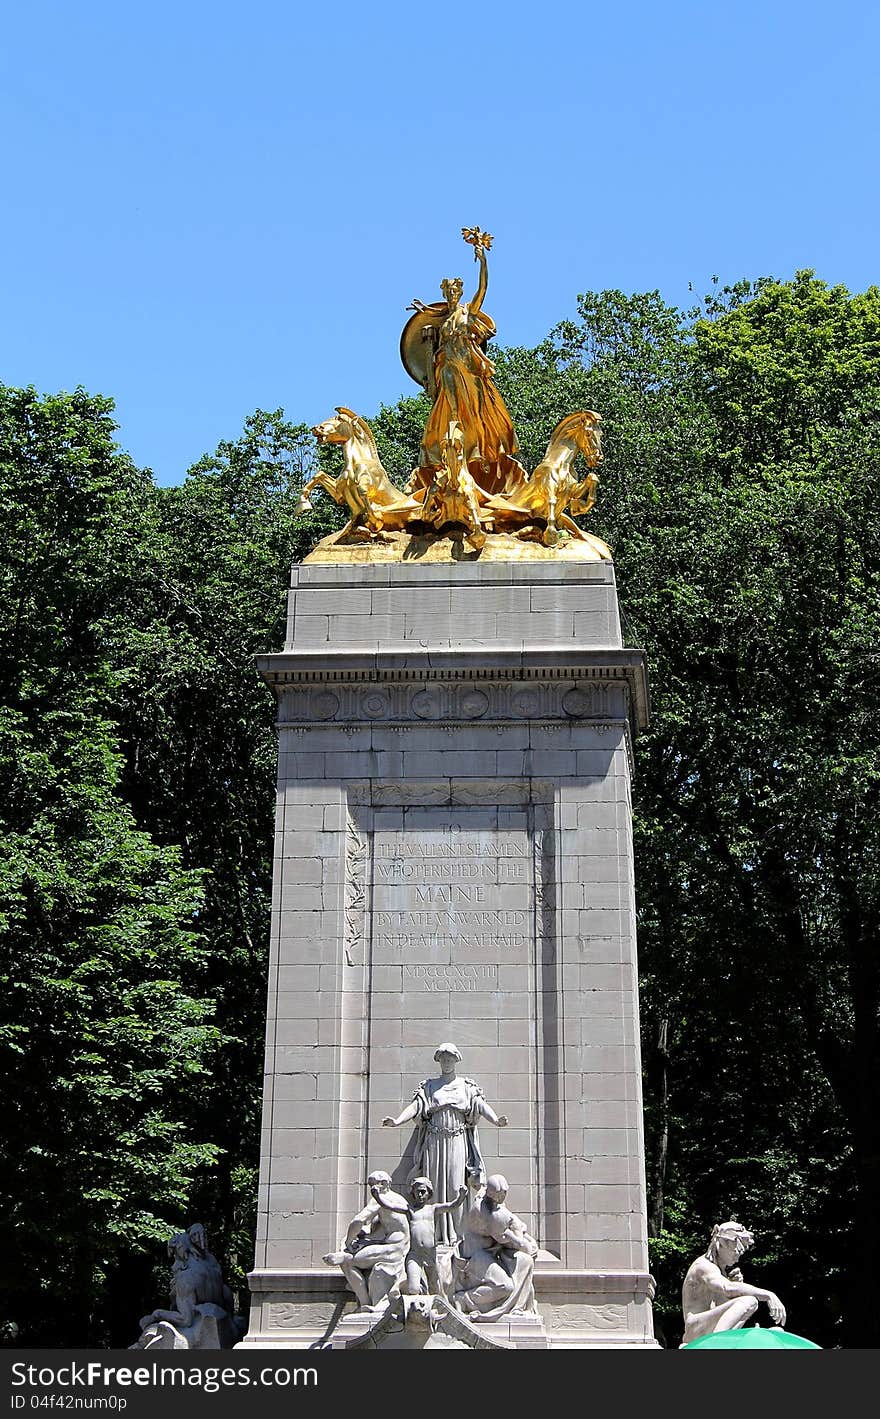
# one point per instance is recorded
(374, 1252)
(714, 1296)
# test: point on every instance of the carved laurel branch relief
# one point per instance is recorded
(355, 888)
(576, 1317)
(545, 884)
(288, 1315)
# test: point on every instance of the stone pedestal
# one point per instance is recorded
(454, 862)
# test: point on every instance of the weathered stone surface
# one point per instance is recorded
(454, 862)
(496, 558)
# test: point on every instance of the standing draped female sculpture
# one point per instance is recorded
(447, 1111)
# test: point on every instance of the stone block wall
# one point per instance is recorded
(454, 862)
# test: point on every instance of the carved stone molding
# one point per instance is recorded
(452, 702)
(470, 793)
(565, 682)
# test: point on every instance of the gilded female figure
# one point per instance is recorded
(443, 348)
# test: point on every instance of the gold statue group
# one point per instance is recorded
(468, 479)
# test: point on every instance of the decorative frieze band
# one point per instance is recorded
(440, 701)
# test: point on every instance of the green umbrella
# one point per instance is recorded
(755, 1337)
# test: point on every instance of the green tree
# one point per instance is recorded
(104, 1025)
(747, 549)
(788, 803)
(197, 725)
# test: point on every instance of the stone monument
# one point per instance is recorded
(454, 863)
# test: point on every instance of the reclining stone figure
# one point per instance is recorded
(496, 1269)
(202, 1314)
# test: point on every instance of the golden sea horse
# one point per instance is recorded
(554, 490)
(363, 485)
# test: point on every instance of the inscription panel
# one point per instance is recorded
(451, 916)
(450, 887)
(450, 934)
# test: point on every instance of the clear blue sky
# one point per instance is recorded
(210, 207)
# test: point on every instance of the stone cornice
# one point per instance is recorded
(417, 665)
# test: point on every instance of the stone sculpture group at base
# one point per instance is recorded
(453, 1237)
(417, 1292)
(202, 1316)
(454, 1244)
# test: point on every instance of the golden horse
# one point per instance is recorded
(363, 484)
(553, 489)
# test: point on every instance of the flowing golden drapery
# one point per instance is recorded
(465, 390)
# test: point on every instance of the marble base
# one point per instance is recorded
(311, 1309)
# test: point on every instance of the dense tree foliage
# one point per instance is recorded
(196, 725)
(137, 763)
(106, 1024)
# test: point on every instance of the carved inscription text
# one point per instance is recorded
(456, 978)
(448, 890)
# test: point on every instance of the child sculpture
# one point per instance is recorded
(421, 1261)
